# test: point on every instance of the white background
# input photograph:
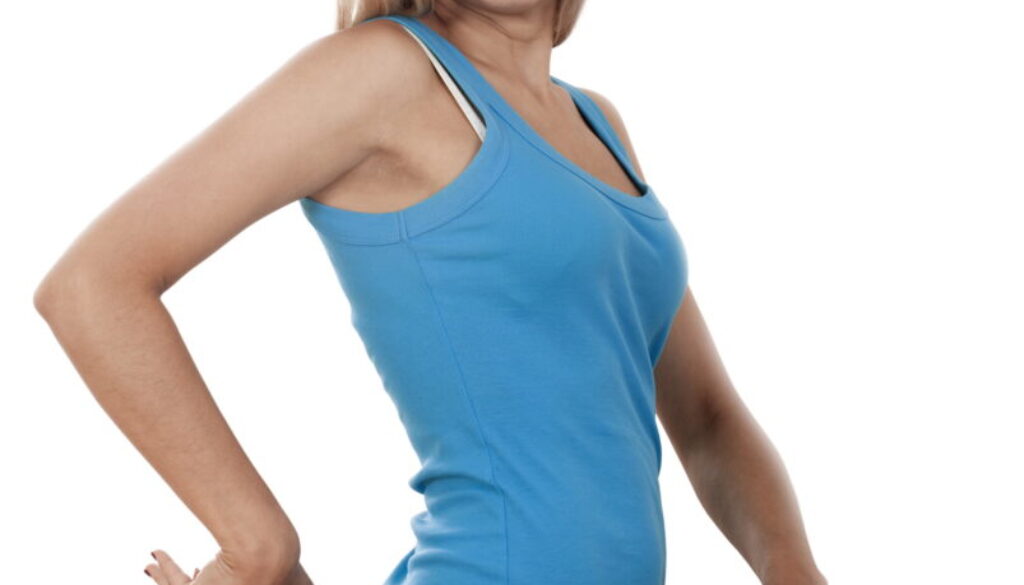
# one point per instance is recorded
(846, 176)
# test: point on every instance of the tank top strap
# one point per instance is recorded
(595, 115)
(474, 119)
(464, 74)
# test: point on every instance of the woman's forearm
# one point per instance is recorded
(742, 483)
(128, 350)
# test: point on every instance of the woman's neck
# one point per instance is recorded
(513, 48)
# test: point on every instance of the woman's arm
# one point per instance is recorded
(311, 122)
(736, 472)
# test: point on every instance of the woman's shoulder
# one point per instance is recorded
(614, 119)
(606, 107)
(374, 56)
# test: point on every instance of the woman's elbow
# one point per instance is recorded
(71, 290)
(52, 292)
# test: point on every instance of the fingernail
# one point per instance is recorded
(146, 571)
(152, 554)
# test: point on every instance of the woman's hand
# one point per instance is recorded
(167, 572)
(219, 571)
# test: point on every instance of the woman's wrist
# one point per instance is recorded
(805, 573)
(788, 568)
(269, 555)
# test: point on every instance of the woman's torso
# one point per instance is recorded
(515, 316)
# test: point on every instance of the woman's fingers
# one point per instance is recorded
(154, 571)
(168, 572)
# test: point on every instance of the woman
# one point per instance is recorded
(517, 284)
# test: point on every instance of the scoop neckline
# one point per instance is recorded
(647, 203)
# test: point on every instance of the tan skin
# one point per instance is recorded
(359, 119)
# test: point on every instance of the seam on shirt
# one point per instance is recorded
(488, 186)
(445, 220)
(465, 394)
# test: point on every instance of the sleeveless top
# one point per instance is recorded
(515, 317)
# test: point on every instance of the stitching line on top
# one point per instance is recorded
(465, 394)
(492, 182)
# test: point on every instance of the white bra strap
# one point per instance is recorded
(467, 109)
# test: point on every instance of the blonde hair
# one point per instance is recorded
(352, 12)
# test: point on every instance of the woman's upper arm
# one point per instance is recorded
(693, 387)
(311, 121)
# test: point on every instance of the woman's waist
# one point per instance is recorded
(547, 538)
(609, 498)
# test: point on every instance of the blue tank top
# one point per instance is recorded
(515, 317)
